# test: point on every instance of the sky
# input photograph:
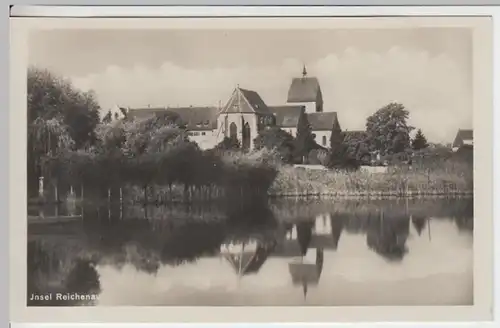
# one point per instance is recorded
(428, 70)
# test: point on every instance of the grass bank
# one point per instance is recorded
(452, 180)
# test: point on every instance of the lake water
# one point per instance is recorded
(384, 252)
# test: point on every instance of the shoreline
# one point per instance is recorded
(327, 195)
(373, 194)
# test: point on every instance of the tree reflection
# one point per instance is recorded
(52, 270)
(304, 235)
(174, 235)
(464, 219)
(419, 222)
(83, 278)
(337, 223)
(387, 236)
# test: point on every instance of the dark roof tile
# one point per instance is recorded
(246, 101)
(322, 121)
(303, 89)
(287, 116)
(195, 118)
(462, 135)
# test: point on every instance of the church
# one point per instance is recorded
(246, 113)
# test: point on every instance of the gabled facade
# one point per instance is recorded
(243, 116)
(463, 138)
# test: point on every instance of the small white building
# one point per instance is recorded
(463, 138)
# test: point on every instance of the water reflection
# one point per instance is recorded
(387, 236)
(317, 244)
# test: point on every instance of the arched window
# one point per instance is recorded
(246, 136)
(233, 131)
(324, 141)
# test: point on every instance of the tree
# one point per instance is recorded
(304, 140)
(83, 278)
(278, 139)
(58, 116)
(336, 137)
(107, 118)
(50, 96)
(419, 142)
(357, 146)
(47, 139)
(228, 143)
(340, 158)
(387, 130)
(337, 146)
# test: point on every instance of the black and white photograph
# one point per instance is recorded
(250, 166)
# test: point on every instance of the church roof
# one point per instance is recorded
(195, 118)
(287, 116)
(322, 121)
(463, 135)
(304, 271)
(245, 101)
(303, 89)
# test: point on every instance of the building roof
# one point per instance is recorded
(303, 89)
(195, 118)
(465, 134)
(245, 101)
(462, 135)
(303, 272)
(322, 121)
(287, 116)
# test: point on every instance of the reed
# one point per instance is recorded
(451, 179)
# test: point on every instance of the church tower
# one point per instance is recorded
(306, 91)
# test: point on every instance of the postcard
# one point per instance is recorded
(223, 169)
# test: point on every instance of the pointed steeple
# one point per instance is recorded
(304, 71)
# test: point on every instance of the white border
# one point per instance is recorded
(300, 11)
(242, 11)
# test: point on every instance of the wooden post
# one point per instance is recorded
(56, 193)
(406, 205)
(429, 228)
(121, 203)
(40, 187)
(109, 203)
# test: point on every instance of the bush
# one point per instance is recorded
(318, 157)
(450, 177)
(277, 140)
